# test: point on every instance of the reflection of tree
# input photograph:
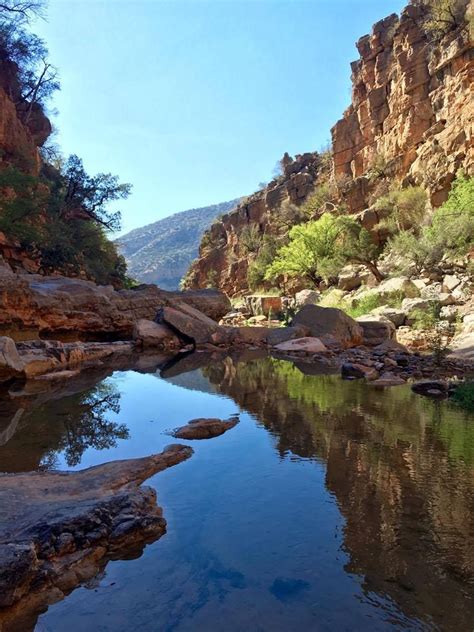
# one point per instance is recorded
(400, 467)
(86, 425)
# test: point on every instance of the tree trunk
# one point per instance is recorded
(375, 271)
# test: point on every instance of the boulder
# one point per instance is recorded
(449, 313)
(450, 283)
(413, 305)
(308, 345)
(376, 329)
(431, 388)
(188, 322)
(204, 428)
(322, 321)
(307, 297)
(396, 316)
(351, 370)
(59, 528)
(147, 333)
(11, 364)
(349, 278)
(263, 305)
(400, 285)
(462, 347)
(388, 379)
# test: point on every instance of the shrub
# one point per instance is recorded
(404, 208)
(463, 396)
(257, 267)
(443, 16)
(373, 300)
(250, 238)
(450, 234)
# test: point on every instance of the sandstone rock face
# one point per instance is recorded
(204, 428)
(150, 334)
(33, 305)
(410, 105)
(376, 329)
(330, 321)
(17, 139)
(266, 305)
(58, 528)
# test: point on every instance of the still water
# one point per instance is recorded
(332, 506)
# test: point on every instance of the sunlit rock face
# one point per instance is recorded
(409, 120)
(411, 104)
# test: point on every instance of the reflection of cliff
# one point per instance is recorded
(70, 425)
(400, 468)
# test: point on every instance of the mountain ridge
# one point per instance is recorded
(161, 252)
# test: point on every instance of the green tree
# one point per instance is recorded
(357, 245)
(312, 252)
(36, 77)
(88, 197)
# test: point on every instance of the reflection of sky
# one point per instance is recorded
(254, 541)
(150, 406)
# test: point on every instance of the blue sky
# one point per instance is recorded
(194, 102)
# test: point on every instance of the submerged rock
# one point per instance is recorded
(204, 428)
(59, 528)
(431, 388)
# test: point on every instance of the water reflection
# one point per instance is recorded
(401, 468)
(255, 530)
(36, 430)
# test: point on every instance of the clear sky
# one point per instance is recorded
(193, 102)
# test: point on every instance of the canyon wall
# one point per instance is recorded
(410, 120)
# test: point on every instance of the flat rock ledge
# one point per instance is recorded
(59, 529)
(204, 428)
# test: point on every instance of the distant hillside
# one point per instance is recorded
(162, 252)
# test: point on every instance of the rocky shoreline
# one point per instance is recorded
(60, 528)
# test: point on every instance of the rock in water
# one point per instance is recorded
(204, 428)
(59, 528)
(307, 344)
(323, 321)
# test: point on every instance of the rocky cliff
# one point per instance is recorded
(223, 259)
(20, 137)
(162, 252)
(411, 107)
(411, 120)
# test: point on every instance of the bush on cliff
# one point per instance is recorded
(450, 234)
